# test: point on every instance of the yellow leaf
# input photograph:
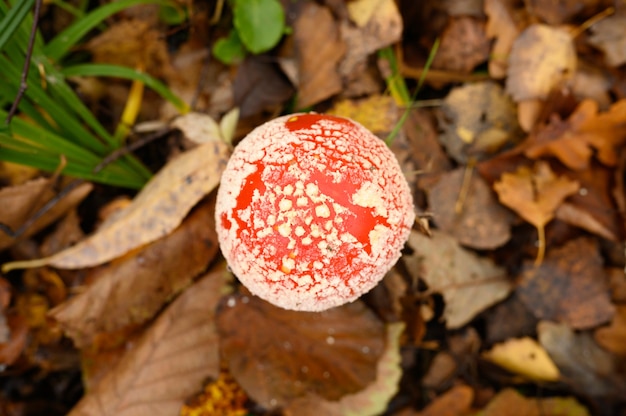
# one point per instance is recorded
(524, 356)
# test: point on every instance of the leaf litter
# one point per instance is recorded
(523, 130)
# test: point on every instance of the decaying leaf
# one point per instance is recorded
(157, 210)
(509, 399)
(19, 202)
(524, 356)
(469, 284)
(372, 400)
(535, 196)
(132, 289)
(170, 361)
(542, 57)
(469, 211)
(586, 131)
(570, 286)
(478, 119)
(583, 364)
(281, 355)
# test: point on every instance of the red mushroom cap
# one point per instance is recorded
(312, 211)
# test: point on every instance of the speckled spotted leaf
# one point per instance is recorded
(155, 212)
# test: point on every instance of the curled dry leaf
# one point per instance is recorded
(583, 364)
(524, 356)
(542, 57)
(132, 289)
(469, 284)
(586, 131)
(372, 400)
(570, 286)
(479, 222)
(169, 362)
(19, 202)
(157, 210)
(278, 355)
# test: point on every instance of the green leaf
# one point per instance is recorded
(229, 50)
(260, 23)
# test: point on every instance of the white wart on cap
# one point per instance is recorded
(312, 211)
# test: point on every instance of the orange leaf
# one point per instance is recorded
(573, 141)
(534, 195)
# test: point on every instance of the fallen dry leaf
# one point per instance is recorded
(132, 43)
(583, 364)
(456, 401)
(377, 113)
(525, 357)
(509, 319)
(613, 337)
(427, 154)
(19, 202)
(319, 49)
(501, 27)
(480, 221)
(477, 119)
(560, 12)
(372, 400)
(535, 196)
(464, 45)
(383, 28)
(260, 86)
(469, 284)
(570, 286)
(593, 208)
(541, 58)
(170, 361)
(157, 210)
(608, 35)
(132, 289)
(280, 355)
(509, 399)
(586, 131)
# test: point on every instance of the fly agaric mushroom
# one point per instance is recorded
(312, 211)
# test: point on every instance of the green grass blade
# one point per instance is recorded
(12, 20)
(58, 47)
(105, 70)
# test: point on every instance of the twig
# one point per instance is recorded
(29, 55)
